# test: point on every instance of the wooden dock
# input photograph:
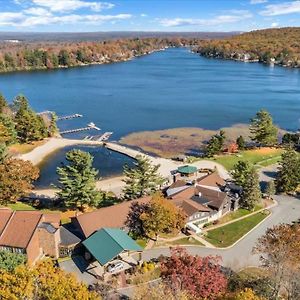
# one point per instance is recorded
(69, 117)
(90, 126)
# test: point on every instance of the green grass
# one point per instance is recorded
(184, 241)
(20, 206)
(256, 157)
(142, 242)
(229, 234)
(241, 212)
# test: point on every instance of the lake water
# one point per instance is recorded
(173, 88)
(108, 163)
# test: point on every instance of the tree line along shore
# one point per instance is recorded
(271, 46)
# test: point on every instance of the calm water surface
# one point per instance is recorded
(169, 89)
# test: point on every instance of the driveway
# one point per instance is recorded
(78, 266)
(240, 255)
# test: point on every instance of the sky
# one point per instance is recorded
(146, 15)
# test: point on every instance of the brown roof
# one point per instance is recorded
(20, 228)
(214, 198)
(111, 216)
(52, 218)
(5, 214)
(186, 200)
(17, 228)
(213, 180)
(177, 183)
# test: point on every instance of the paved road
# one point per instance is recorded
(240, 256)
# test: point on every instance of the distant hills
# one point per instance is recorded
(279, 46)
(100, 36)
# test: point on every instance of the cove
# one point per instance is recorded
(108, 163)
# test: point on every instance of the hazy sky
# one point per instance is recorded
(148, 15)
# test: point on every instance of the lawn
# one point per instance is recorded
(183, 241)
(241, 212)
(262, 157)
(226, 235)
(65, 215)
(141, 242)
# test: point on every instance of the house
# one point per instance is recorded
(35, 234)
(112, 216)
(206, 201)
(29, 232)
(111, 244)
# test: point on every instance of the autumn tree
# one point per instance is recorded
(9, 261)
(142, 179)
(44, 281)
(200, 277)
(251, 193)
(77, 180)
(262, 129)
(16, 178)
(280, 256)
(162, 216)
(134, 222)
(288, 175)
(246, 294)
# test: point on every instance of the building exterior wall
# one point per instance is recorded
(33, 250)
(49, 242)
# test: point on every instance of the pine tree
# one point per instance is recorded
(29, 126)
(251, 193)
(141, 180)
(8, 134)
(270, 188)
(241, 172)
(262, 129)
(288, 176)
(215, 144)
(240, 142)
(3, 103)
(78, 180)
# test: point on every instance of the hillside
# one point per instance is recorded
(279, 46)
(19, 56)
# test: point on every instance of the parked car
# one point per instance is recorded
(114, 267)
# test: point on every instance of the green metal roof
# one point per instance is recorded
(187, 169)
(108, 243)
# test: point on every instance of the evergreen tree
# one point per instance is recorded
(8, 134)
(241, 172)
(270, 188)
(215, 144)
(29, 126)
(78, 180)
(251, 193)
(288, 176)
(262, 129)
(141, 180)
(240, 142)
(3, 103)
(3, 152)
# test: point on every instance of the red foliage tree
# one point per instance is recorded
(201, 277)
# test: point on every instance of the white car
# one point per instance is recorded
(114, 267)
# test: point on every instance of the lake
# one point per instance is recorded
(168, 89)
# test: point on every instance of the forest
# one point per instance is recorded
(52, 55)
(279, 46)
